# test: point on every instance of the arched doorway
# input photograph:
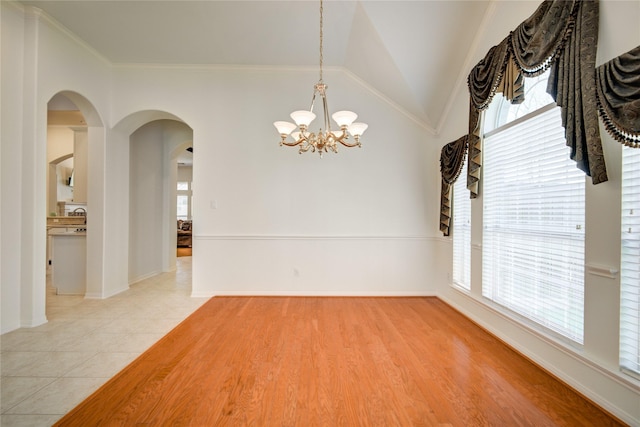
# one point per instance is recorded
(72, 125)
(183, 156)
(156, 140)
(59, 190)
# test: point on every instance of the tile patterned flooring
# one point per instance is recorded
(48, 370)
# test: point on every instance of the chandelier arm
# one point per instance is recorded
(305, 148)
(346, 144)
(342, 137)
(325, 140)
(292, 144)
(300, 140)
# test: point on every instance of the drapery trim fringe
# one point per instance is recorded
(618, 84)
(452, 158)
(561, 35)
(533, 62)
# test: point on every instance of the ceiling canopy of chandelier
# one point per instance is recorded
(326, 140)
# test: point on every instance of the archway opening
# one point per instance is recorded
(159, 175)
(72, 123)
(183, 156)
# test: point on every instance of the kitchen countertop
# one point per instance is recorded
(69, 233)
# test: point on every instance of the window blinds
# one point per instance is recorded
(630, 260)
(533, 236)
(461, 233)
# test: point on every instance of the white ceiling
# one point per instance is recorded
(411, 52)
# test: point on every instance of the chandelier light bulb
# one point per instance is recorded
(344, 118)
(284, 128)
(357, 129)
(303, 117)
(323, 140)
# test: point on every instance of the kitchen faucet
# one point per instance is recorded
(81, 212)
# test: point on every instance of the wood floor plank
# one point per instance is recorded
(298, 361)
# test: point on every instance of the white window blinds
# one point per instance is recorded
(630, 268)
(533, 235)
(461, 232)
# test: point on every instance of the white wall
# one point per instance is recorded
(11, 71)
(593, 370)
(59, 142)
(269, 221)
(145, 225)
(185, 174)
(273, 205)
(80, 165)
(39, 59)
(59, 145)
(66, 65)
(152, 195)
(64, 170)
(62, 142)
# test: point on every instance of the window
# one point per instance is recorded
(183, 207)
(630, 262)
(184, 200)
(461, 232)
(533, 215)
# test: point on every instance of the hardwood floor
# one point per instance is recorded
(183, 251)
(279, 361)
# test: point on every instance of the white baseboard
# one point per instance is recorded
(312, 294)
(143, 277)
(32, 323)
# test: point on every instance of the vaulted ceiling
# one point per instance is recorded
(413, 53)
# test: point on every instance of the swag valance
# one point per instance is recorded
(452, 158)
(618, 88)
(561, 35)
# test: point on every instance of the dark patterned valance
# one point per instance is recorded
(561, 35)
(618, 84)
(539, 39)
(487, 75)
(474, 165)
(452, 158)
(495, 73)
(572, 85)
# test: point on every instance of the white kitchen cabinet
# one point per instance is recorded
(69, 262)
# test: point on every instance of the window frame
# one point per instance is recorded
(188, 194)
(494, 113)
(461, 234)
(629, 273)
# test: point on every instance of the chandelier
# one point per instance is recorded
(326, 140)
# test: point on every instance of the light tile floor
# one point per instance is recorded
(48, 370)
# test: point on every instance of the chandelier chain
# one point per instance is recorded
(323, 140)
(321, 40)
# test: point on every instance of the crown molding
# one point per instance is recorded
(467, 64)
(44, 17)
